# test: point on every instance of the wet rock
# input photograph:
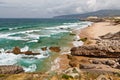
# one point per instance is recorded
(29, 53)
(44, 48)
(11, 69)
(16, 50)
(55, 49)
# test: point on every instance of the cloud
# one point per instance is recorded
(91, 4)
(50, 8)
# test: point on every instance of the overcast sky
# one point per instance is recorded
(50, 8)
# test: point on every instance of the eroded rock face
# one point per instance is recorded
(11, 69)
(96, 51)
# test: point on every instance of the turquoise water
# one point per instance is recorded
(33, 34)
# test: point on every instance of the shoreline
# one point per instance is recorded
(98, 29)
(86, 65)
(62, 59)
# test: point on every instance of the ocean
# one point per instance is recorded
(34, 34)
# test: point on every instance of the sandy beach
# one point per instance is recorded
(99, 29)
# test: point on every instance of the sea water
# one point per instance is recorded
(34, 34)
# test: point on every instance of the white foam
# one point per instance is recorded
(78, 43)
(43, 54)
(11, 59)
(33, 36)
(76, 37)
(8, 58)
(32, 41)
(26, 48)
(31, 68)
(55, 64)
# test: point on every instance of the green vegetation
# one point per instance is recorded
(64, 76)
(2, 75)
(83, 39)
(72, 34)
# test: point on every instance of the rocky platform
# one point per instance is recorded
(107, 46)
(10, 69)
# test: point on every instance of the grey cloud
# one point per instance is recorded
(49, 8)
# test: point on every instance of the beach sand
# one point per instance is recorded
(98, 29)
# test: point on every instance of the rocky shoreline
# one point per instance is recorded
(97, 59)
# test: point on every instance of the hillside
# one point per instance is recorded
(100, 13)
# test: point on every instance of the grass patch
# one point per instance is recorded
(2, 75)
(83, 39)
(64, 76)
(72, 34)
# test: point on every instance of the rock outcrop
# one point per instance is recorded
(111, 36)
(96, 51)
(107, 46)
(11, 69)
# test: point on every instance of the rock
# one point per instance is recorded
(111, 36)
(96, 62)
(110, 62)
(118, 66)
(74, 72)
(30, 53)
(11, 69)
(55, 49)
(102, 77)
(107, 46)
(93, 19)
(106, 36)
(73, 63)
(44, 48)
(87, 66)
(96, 51)
(16, 50)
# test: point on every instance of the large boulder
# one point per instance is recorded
(10, 69)
(16, 50)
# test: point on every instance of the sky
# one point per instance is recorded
(50, 8)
